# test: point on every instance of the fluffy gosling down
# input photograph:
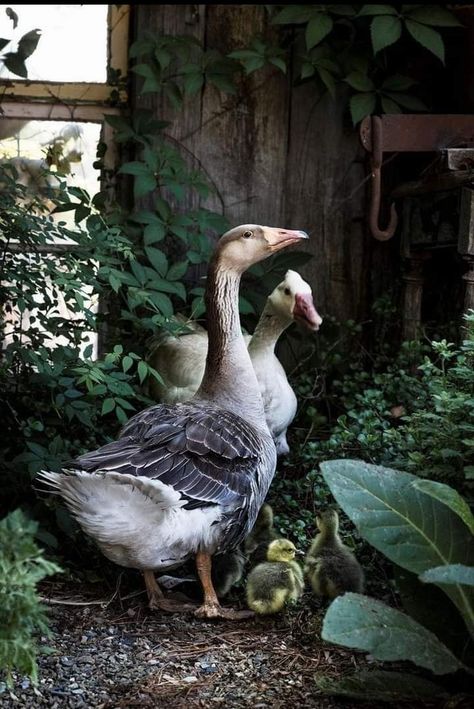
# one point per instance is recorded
(330, 567)
(275, 582)
(263, 532)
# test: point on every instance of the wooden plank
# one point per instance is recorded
(277, 154)
(324, 194)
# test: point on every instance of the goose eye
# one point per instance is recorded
(247, 234)
(287, 291)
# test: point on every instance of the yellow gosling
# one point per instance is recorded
(275, 582)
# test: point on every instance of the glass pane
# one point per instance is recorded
(73, 43)
(68, 148)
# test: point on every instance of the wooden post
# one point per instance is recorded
(466, 243)
(413, 295)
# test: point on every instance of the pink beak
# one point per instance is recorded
(305, 312)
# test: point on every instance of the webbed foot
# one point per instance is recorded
(171, 606)
(215, 610)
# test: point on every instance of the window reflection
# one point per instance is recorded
(73, 43)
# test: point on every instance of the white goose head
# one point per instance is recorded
(292, 299)
(247, 244)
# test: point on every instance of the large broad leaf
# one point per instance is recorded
(364, 623)
(434, 611)
(448, 496)
(454, 573)
(380, 685)
(415, 531)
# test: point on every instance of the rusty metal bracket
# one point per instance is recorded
(407, 133)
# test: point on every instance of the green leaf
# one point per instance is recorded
(427, 37)
(381, 686)
(278, 62)
(135, 168)
(385, 31)
(398, 82)
(364, 623)
(328, 80)
(157, 259)
(359, 81)
(163, 303)
(317, 29)
(127, 362)
(389, 106)
(403, 522)
(153, 233)
(408, 101)
(121, 415)
(177, 271)
(376, 10)
(193, 83)
(293, 15)
(3, 43)
(362, 105)
(307, 70)
(432, 609)
(144, 184)
(433, 15)
(142, 371)
(16, 64)
(452, 573)
(447, 496)
(108, 406)
(28, 43)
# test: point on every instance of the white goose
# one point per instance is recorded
(181, 360)
(187, 480)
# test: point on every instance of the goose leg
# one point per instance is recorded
(157, 600)
(211, 607)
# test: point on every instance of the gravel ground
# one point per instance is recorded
(121, 654)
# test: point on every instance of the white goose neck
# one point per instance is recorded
(269, 328)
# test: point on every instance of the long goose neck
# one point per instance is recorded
(268, 330)
(229, 378)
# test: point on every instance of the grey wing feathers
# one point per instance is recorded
(209, 455)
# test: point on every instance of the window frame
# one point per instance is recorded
(78, 101)
(118, 24)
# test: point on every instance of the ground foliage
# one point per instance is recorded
(391, 407)
(22, 616)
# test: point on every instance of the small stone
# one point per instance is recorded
(190, 678)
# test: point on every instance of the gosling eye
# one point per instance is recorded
(287, 291)
(247, 234)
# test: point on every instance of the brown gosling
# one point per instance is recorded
(263, 532)
(275, 582)
(330, 567)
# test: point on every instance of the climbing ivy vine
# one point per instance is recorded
(356, 46)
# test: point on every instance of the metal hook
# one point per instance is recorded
(376, 164)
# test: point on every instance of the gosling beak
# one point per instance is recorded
(305, 312)
(280, 238)
(298, 552)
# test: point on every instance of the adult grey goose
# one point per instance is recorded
(187, 479)
(181, 360)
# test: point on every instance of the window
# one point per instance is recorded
(76, 76)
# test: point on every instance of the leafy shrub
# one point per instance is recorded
(363, 48)
(415, 412)
(424, 530)
(57, 400)
(22, 616)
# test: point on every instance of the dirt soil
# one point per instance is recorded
(114, 652)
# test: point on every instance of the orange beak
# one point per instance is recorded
(280, 238)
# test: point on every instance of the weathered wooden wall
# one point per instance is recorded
(277, 154)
